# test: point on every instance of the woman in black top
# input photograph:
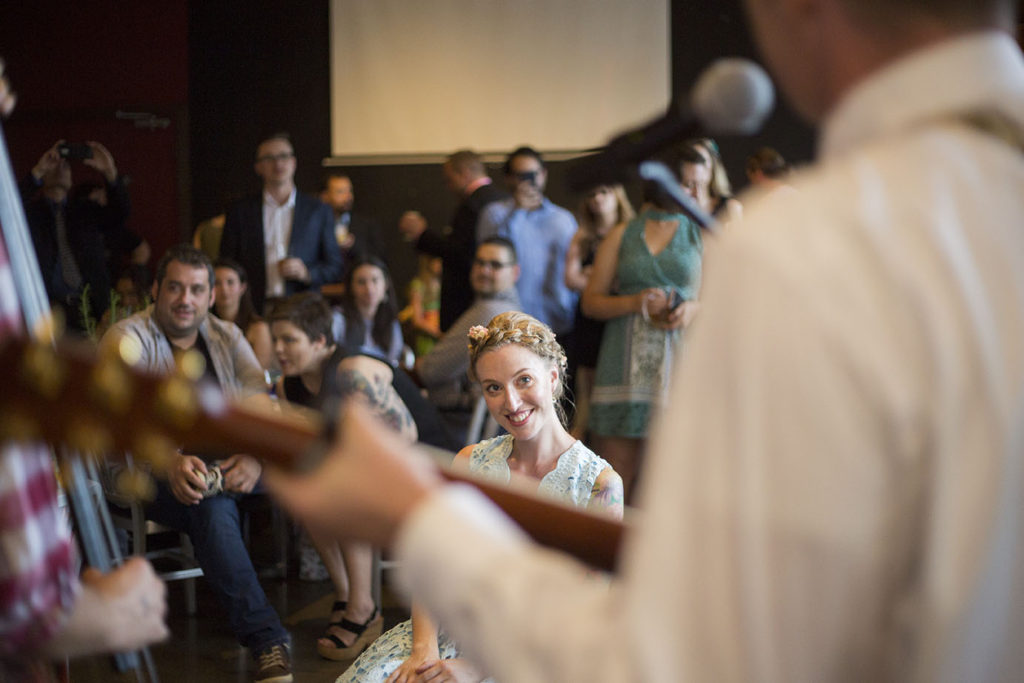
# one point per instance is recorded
(318, 374)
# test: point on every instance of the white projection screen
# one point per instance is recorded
(417, 79)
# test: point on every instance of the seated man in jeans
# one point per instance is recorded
(176, 323)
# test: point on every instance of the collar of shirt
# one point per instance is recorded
(510, 294)
(270, 203)
(476, 185)
(939, 80)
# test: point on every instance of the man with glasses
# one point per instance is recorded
(284, 239)
(493, 277)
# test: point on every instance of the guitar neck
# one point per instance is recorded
(591, 538)
(100, 405)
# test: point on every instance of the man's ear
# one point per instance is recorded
(155, 289)
(516, 272)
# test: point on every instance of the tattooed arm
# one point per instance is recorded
(369, 380)
(607, 495)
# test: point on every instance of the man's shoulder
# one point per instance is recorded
(140, 324)
(560, 215)
(486, 194)
(243, 210)
(223, 331)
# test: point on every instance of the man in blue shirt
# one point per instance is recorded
(541, 232)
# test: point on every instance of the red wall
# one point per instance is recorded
(73, 69)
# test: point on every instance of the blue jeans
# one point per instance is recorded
(214, 528)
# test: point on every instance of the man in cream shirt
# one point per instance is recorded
(836, 487)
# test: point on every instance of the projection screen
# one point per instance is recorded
(416, 79)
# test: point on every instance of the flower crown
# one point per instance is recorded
(478, 333)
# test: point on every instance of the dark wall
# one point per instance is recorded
(76, 68)
(259, 67)
(702, 31)
(255, 68)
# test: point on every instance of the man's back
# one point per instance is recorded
(864, 341)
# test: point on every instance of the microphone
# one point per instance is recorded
(732, 96)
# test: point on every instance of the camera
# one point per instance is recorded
(527, 177)
(74, 151)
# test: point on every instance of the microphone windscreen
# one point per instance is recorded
(733, 96)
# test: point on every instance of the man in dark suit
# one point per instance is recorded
(466, 176)
(283, 238)
(357, 235)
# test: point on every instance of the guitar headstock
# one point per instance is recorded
(99, 403)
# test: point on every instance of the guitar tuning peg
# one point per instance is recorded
(42, 371)
(136, 485)
(128, 349)
(111, 385)
(16, 425)
(49, 327)
(191, 365)
(87, 436)
(176, 402)
(155, 449)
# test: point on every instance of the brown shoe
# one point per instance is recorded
(273, 665)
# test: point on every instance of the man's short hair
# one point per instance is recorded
(523, 151)
(466, 160)
(501, 242)
(307, 311)
(186, 254)
(768, 161)
(279, 135)
(332, 175)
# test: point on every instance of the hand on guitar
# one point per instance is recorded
(365, 487)
(118, 611)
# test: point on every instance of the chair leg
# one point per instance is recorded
(190, 597)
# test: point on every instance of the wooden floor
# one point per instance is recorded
(202, 648)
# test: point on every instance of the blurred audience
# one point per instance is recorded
(283, 238)
(72, 235)
(720, 202)
(601, 209)
(645, 283)
(233, 303)
(541, 233)
(465, 175)
(443, 370)
(368, 317)
(358, 236)
(422, 316)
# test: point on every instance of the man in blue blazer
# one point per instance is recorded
(283, 238)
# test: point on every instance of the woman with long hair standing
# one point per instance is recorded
(601, 209)
(645, 283)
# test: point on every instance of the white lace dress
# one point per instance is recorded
(572, 480)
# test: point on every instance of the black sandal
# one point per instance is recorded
(366, 633)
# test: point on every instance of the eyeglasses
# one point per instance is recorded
(493, 265)
(283, 156)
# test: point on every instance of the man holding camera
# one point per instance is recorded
(71, 235)
(541, 232)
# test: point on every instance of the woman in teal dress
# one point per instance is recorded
(645, 283)
(521, 371)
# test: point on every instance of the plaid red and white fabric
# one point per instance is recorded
(38, 581)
